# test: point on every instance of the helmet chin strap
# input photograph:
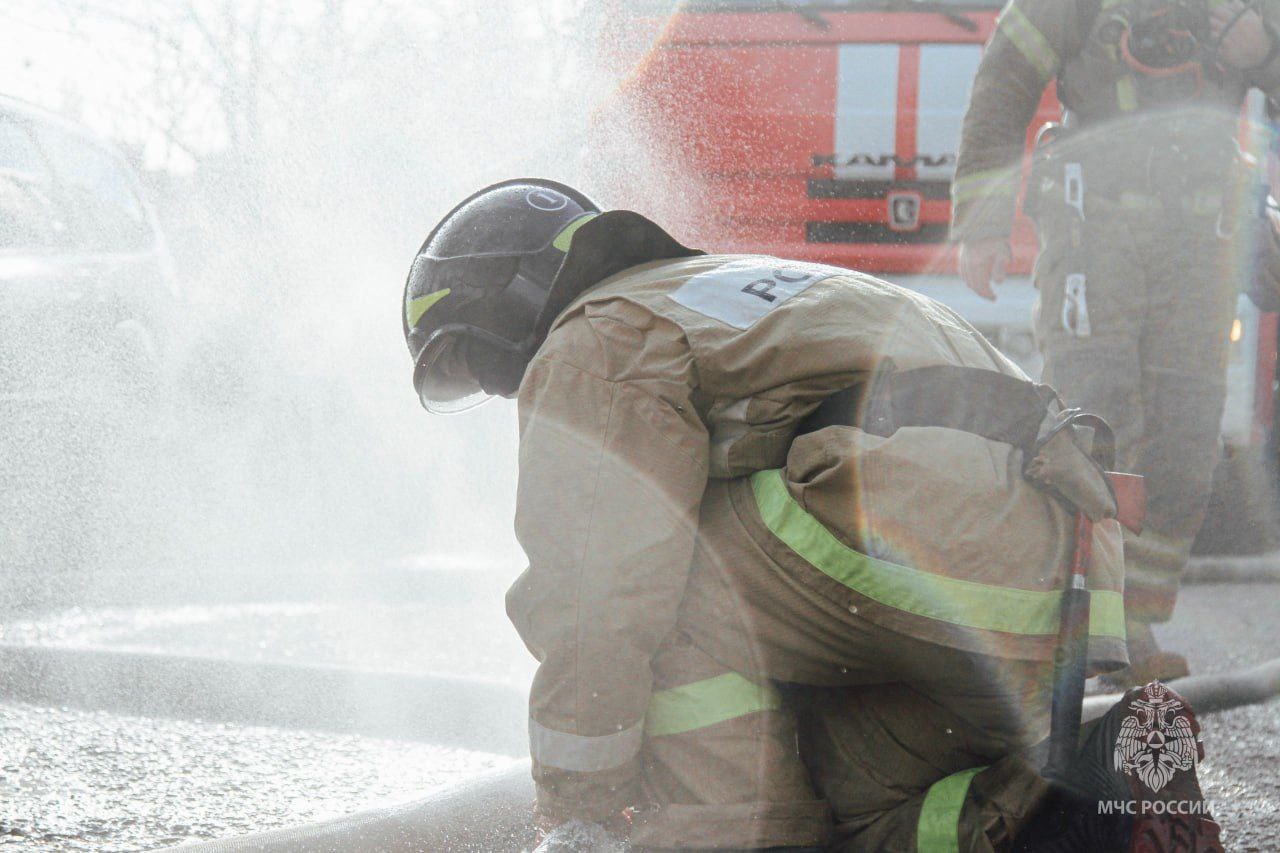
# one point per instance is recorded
(501, 376)
(495, 363)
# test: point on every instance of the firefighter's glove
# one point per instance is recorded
(1064, 466)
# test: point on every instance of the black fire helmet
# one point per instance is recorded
(492, 276)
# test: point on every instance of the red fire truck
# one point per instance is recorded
(828, 131)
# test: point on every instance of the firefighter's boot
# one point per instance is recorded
(1133, 788)
(1147, 661)
(1158, 747)
(1069, 823)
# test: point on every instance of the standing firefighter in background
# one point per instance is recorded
(797, 539)
(1137, 197)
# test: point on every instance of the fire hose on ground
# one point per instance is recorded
(491, 812)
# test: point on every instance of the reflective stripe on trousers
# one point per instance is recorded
(939, 828)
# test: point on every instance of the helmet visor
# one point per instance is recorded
(443, 379)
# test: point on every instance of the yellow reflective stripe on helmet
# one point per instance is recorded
(419, 305)
(960, 602)
(1029, 41)
(989, 182)
(705, 703)
(565, 237)
(938, 830)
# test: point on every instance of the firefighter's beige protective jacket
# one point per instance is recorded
(674, 372)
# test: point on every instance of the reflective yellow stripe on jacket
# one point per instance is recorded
(1029, 41)
(960, 602)
(706, 703)
(1002, 182)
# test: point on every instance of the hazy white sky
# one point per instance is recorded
(104, 73)
(44, 59)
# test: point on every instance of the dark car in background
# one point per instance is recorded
(87, 287)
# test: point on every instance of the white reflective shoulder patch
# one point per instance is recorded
(740, 292)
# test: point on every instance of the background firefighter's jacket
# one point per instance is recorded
(1167, 130)
(677, 371)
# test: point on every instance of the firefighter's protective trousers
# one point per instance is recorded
(904, 744)
(701, 580)
(1160, 301)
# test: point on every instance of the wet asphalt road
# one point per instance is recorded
(1227, 626)
(99, 781)
(83, 780)
(74, 779)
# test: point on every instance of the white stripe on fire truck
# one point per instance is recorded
(866, 110)
(946, 73)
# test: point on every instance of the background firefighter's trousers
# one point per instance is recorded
(905, 742)
(1159, 304)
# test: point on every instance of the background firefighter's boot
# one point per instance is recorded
(1147, 661)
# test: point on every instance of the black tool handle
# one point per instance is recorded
(1068, 682)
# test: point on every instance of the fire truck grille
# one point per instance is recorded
(932, 190)
(873, 232)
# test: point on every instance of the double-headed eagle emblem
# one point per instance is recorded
(1156, 741)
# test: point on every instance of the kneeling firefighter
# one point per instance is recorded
(797, 541)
